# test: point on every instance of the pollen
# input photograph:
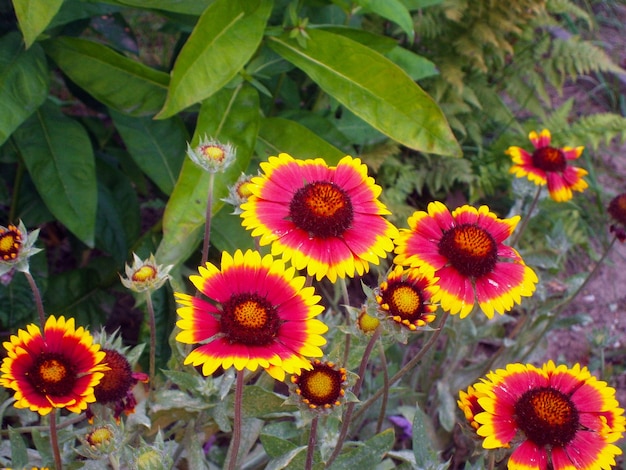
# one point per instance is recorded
(404, 300)
(213, 152)
(249, 319)
(322, 386)
(52, 371)
(250, 314)
(10, 243)
(470, 249)
(145, 273)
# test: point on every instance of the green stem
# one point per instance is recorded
(383, 406)
(152, 325)
(526, 218)
(208, 216)
(233, 451)
(407, 368)
(54, 440)
(310, 451)
(38, 301)
(346, 302)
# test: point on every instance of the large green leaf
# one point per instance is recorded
(34, 16)
(373, 88)
(160, 158)
(231, 115)
(393, 10)
(117, 81)
(223, 40)
(58, 155)
(187, 7)
(24, 83)
(278, 135)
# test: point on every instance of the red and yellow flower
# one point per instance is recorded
(617, 211)
(549, 165)
(258, 314)
(554, 417)
(323, 386)
(56, 369)
(468, 402)
(465, 250)
(327, 219)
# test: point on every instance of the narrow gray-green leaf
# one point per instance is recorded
(113, 79)
(393, 10)
(278, 135)
(373, 88)
(368, 454)
(19, 451)
(223, 40)
(231, 115)
(25, 80)
(158, 147)
(59, 157)
(34, 16)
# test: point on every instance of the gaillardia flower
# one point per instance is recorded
(145, 275)
(323, 386)
(617, 211)
(258, 314)
(554, 417)
(404, 296)
(211, 155)
(16, 246)
(239, 193)
(468, 402)
(58, 369)
(465, 251)
(325, 219)
(549, 165)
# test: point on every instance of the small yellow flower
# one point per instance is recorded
(16, 246)
(211, 155)
(239, 193)
(145, 275)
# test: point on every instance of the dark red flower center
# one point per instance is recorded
(547, 417)
(322, 209)
(617, 208)
(549, 159)
(322, 385)
(117, 381)
(52, 374)
(404, 300)
(10, 243)
(250, 319)
(470, 249)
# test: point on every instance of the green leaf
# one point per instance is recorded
(25, 80)
(223, 40)
(117, 81)
(447, 406)
(368, 454)
(237, 112)
(372, 87)
(19, 452)
(278, 135)
(59, 158)
(275, 446)
(227, 233)
(412, 5)
(377, 42)
(187, 7)
(392, 10)
(423, 438)
(416, 66)
(258, 402)
(160, 158)
(34, 16)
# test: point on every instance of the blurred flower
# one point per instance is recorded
(406, 427)
(465, 251)
(555, 417)
(468, 402)
(258, 314)
(325, 219)
(116, 386)
(549, 165)
(16, 246)
(58, 369)
(617, 210)
(239, 192)
(145, 275)
(211, 155)
(101, 436)
(323, 386)
(404, 296)
(367, 323)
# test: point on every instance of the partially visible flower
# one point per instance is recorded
(258, 314)
(239, 193)
(327, 219)
(116, 386)
(145, 275)
(406, 427)
(323, 386)
(367, 323)
(404, 296)
(211, 155)
(617, 210)
(58, 369)
(468, 402)
(555, 417)
(16, 246)
(100, 436)
(465, 250)
(549, 165)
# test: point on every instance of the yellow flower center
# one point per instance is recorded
(322, 385)
(145, 273)
(52, 374)
(549, 159)
(10, 243)
(367, 323)
(470, 249)
(250, 319)
(404, 300)
(243, 190)
(321, 208)
(213, 152)
(547, 417)
(52, 371)
(100, 436)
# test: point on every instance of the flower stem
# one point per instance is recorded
(407, 367)
(233, 451)
(207, 225)
(346, 420)
(312, 442)
(346, 302)
(491, 461)
(152, 325)
(527, 217)
(383, 405)
(38, 301)
(54, 440)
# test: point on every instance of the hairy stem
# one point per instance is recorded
(526, 218)
(311, 446)
(38, 301)
(233, 451)
(152, 325)
(54, 440)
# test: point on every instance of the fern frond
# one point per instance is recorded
(597, 129)
(567, 7)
